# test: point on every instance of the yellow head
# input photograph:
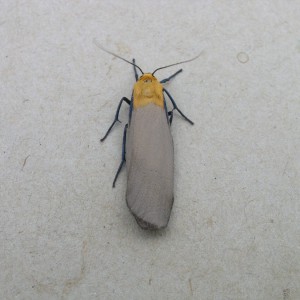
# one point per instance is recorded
(147, 90)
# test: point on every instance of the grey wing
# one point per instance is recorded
(150, 167)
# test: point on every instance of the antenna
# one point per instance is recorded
(182, 62)
(115, 55)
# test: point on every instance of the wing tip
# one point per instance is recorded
(149, 226)
(152, 223)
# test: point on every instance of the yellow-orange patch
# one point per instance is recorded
(147, 90)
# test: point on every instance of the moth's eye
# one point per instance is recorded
(147, 80)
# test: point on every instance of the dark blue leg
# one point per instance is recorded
(170, 113)
(116, 117)
(172, 76)
(175, 107)
(135, 71)
(123, 155)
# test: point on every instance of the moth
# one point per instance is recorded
(148, 148)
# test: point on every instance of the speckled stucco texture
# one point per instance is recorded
(234, 231)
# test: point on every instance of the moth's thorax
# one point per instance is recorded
(147, 90)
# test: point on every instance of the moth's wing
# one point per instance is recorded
(150, 167)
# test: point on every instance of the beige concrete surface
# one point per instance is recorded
(234, 231)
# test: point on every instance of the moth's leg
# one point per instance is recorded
(116, 117)
(135, 71)
(175, 107)
(172, 76)
(170, 114)
(123, 155)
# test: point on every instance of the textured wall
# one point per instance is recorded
(234, 231)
